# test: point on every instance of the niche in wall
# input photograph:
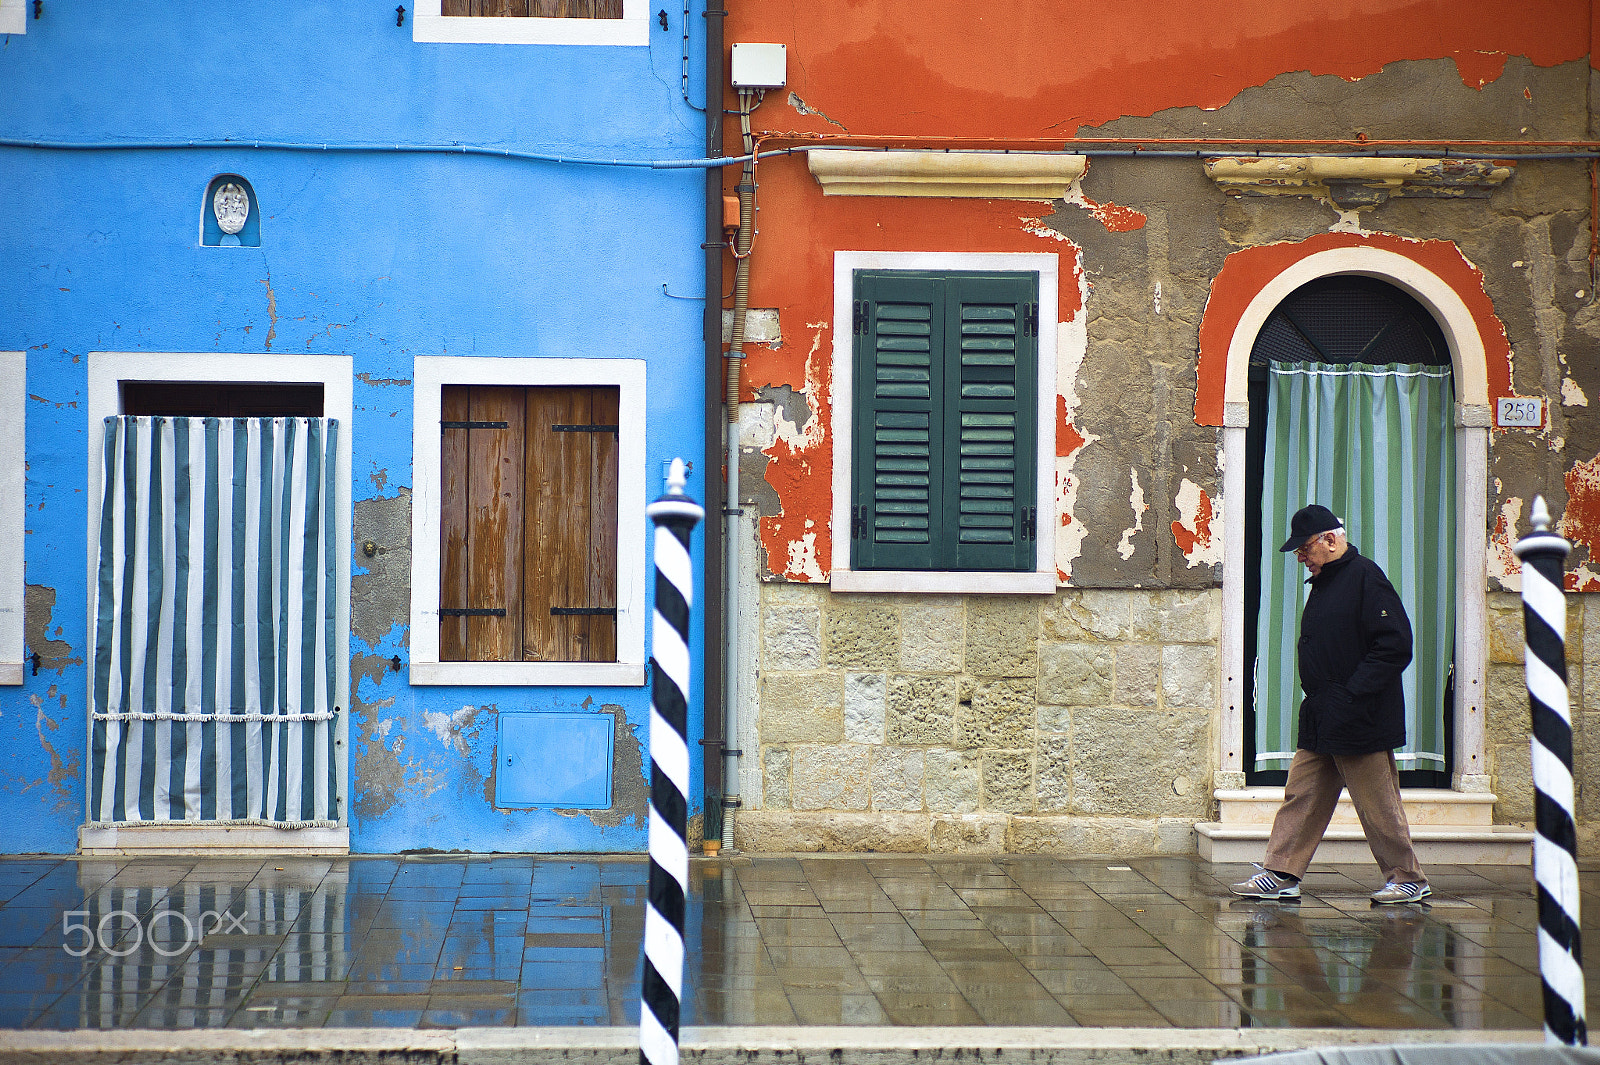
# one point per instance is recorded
(230, 216)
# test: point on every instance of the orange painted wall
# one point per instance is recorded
(1043, 68)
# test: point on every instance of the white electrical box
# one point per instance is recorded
(760, 66)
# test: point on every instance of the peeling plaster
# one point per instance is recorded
(380, 586)
(1135, 500)
(1072, 345)
(803, 109)
(1479, 68)
(1572, 395)
(448, 726)
(1503, 564)
(630, 788)
(1580, 522)
(272, 312)
(1193, 530)
(63, 774)
(1116, 218)
(38, 605)
(800, 474)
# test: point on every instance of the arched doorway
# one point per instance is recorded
(1453, 825)
(1351, 404)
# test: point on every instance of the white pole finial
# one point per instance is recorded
(1540, 515)
(676, 478)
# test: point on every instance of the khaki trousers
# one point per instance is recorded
(1310, 795)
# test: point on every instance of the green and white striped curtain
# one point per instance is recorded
(214, 624)
(1374, 444)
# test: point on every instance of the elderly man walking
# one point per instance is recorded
(1355, 640)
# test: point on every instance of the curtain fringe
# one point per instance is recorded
(167, 715)
(256, 822)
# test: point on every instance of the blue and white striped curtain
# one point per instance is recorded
(1375, 444)
(214, 626)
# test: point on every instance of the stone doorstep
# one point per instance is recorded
(1435, 844)
(231, 840)
(1424, 806)
(863, 1045)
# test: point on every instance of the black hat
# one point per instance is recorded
(1308, 522)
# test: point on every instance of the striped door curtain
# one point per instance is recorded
(1374, 444)
(214, 624)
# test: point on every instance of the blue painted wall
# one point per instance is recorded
(379, 256)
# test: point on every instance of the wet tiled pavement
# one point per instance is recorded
(470, 941)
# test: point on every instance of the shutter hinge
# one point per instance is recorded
(861, 318)
(474, 425)
(472, 612)
(1030, 523)
(583, 611)
(858, 523)
(1030, 320)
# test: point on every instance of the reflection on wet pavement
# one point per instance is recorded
(459, 941)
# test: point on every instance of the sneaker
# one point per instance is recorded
(1267, 885)
(1396, 892)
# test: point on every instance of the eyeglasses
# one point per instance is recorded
(1300, 551)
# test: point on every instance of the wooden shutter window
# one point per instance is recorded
(534, 8)
(528, 518)
(990, 419)
(570, 581)
(945, 424)
(480, 523)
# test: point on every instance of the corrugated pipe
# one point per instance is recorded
(742, 244)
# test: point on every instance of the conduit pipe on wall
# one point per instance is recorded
(742, 243)
(715, 735)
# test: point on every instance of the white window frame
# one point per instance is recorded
(13, 512)
(13, 16)
(107, 371)
(1042, 579)
(431, 374)
(430, 25)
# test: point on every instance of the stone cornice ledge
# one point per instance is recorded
(970, 175)
(1354, 183)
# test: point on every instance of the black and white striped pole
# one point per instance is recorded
(675, 515)
(1555, 844)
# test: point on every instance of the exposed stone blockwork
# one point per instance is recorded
(1507, 721)
(1078, 723)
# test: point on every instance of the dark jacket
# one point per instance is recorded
(1355, 640)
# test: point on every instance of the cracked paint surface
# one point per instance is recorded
(1116, 218)
(1136, 501)
(1580, 521)
(1072, 345)
(1503, 563)
(1192, 532)
(38, 608)
(64, 770)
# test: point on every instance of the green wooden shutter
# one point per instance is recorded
(990, 416)
(945, 422)
(899, 405)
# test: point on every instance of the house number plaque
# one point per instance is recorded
(1519, 412)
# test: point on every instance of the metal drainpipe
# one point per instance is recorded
(713, 664)
(741, 303)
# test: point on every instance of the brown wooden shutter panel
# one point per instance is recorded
(570, 580)
(481, 524)
(534, 8)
